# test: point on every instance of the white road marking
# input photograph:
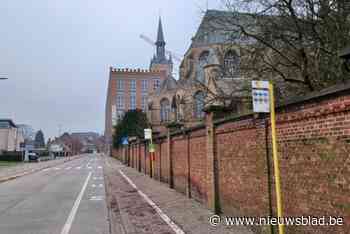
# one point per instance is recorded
(100, 185)
(99, 167)
(47, 169)
(70, 219)
(94, 185)
(68, 168)
(96, 198)
(78, 168)
(89, 168)
(173, 226)
(57, 168)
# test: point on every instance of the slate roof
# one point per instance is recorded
(168, 84)
(218, 27)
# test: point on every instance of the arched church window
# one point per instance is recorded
(231, 64)
(174, 107)
(202, 61)
(164, 110)
(199, 99)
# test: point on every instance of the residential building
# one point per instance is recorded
(59, 149)
(84, 137)
(75, 143)
(10, 136)
(90, 141)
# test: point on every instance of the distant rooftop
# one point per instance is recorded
(9, 121)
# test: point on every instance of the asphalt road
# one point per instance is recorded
(66, 199)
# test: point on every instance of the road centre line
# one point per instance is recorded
(67, 226)
(166, 218)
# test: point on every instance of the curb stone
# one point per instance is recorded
(12, 177)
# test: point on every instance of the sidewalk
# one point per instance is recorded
(29, 167)
(130, 212)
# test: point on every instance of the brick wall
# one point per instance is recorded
(314, 150)
(197, 148)
(164, 162)
(180, 167)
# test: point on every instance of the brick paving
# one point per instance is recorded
(130, 213)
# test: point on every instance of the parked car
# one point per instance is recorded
(33, 157)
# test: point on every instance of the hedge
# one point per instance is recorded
(11, 156)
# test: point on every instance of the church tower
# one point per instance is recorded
(159, 60)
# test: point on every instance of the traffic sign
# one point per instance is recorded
(148, 133)
(261, 96)
(152, 148)
(125, 141)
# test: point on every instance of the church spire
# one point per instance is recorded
(160, 61)
(160, 43)
(160, 35)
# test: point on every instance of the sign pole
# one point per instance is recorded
(275, 159)
(151, 157)
(148, 136)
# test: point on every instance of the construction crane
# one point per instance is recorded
(168, 52)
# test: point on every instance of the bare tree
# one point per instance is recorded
(297, 40)
(293, 41)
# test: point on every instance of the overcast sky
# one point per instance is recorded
(56, 54)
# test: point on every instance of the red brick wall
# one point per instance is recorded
(117, 153)
(134, 156)
(242, 168)
(164, 162)
(315, 164)
(180, 167)
(314, 151)
(197, 148)
(142, 149)
(157, 162)
(148, 162)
